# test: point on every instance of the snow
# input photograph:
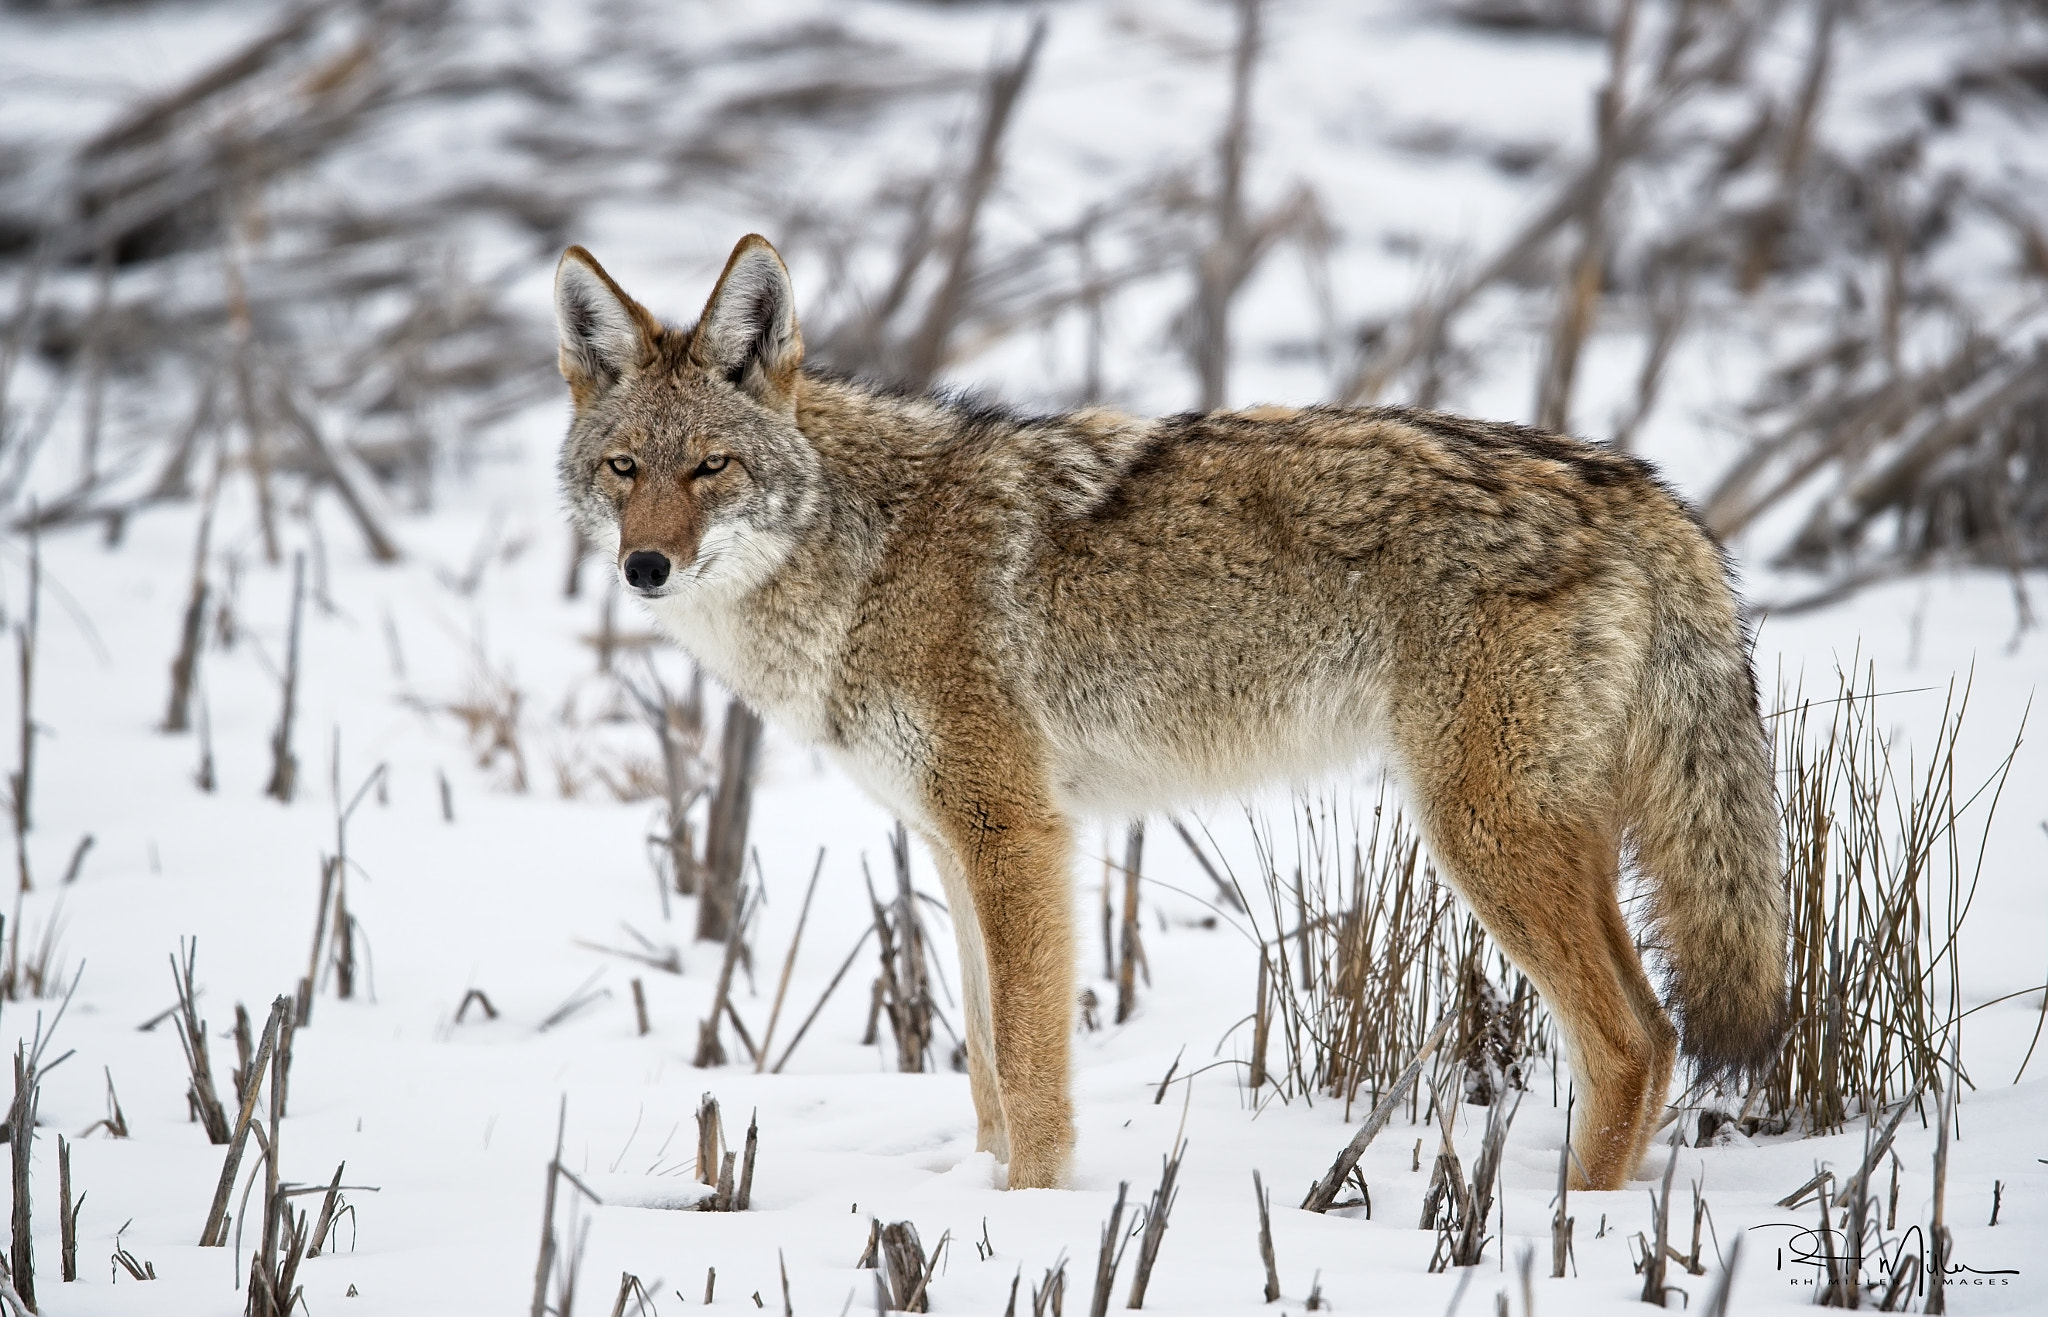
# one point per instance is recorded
(452, 1123)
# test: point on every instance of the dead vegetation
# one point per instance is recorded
(1362, 949)
(1883, 854)
(902, 994)
(903, 1272)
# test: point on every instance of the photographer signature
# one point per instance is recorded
(1827, 1250)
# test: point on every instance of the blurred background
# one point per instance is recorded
(1791, 249)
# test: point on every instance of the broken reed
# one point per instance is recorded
(902, 1269)
(1879, 877)
(1366, 951)
(715, 1163)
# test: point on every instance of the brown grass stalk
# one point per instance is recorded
(21, 783)
(1265, 1202)
(284, 765)
(788, 964)
(1130, 941)
(725, 833)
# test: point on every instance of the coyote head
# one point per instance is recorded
(683, 459)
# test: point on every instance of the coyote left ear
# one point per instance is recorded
(602, 335)
(748, 333)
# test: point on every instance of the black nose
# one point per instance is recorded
(646, 569)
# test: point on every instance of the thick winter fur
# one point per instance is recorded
(1000, 624)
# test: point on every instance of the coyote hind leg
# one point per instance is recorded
(1628, 967)
(1547, 893)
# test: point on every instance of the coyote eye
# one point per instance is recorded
(622, 466)
(711, 465)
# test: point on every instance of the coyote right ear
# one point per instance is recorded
(603, 334)
(748, 333)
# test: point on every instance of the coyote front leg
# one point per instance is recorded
(990, 1134)
(1012, 854)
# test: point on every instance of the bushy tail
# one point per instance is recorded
(1706, 833)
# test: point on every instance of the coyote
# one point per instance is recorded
(999, 623)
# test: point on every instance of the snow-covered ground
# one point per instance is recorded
(453, 1123)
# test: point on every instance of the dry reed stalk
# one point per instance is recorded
(29, 1071)
(639, 1008)
(245, 1047)
(1049, 1295)
(329, 1202)
(1262, 1023)
(1671, 277)
(1658, 1250)
(1224, 888)
(1110, 1254)
(273, 1270)
(823, 997)
(1323, 1194)
(925, 353)
(1795, 143)
(1580, 295)
(192, 630)
(1229, 260)
(240, 337)
(115, 1122)
(902, 1267)
(1265, 1201)
(710, 1051)
(1156, 1214)
(631, 1287)
(203, 1099)
(1130, 942)
(330, 870)
(476, 996)
(77, 861)
(788, 964)
(579, 999)
(903, 990)
(1561, 1222)
(545, 1267)
(21, 782)
(666, 958)
(284, 766)
(1724, 1284)
(335, 471)
(725, 833)
(21, 1123)
(743, 1193)
(214, 1234)
(1939, 1242)
(710, 1139)
(552, 1264)
(67, 1213)
(1108, 919)
(1467, 1242)
(678, 727)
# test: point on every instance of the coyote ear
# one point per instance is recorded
(604, 335)
(748, 332)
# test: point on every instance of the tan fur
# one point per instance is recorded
(1001, 624)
